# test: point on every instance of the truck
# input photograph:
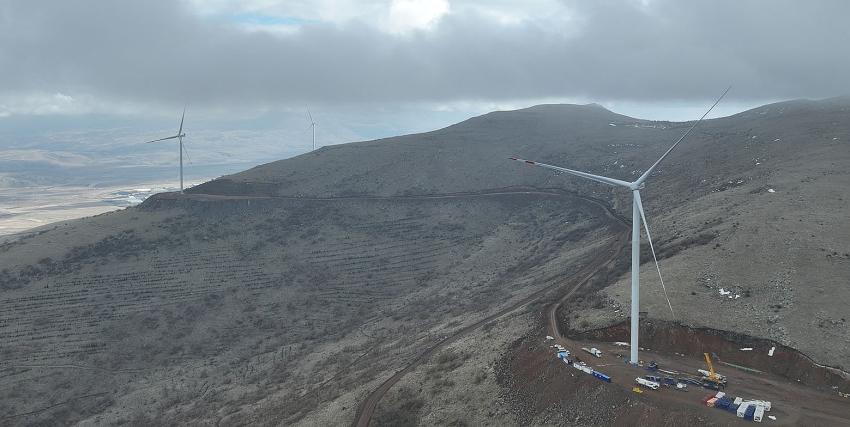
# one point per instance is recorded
(647, 383)
(654, 379)
(594, 351)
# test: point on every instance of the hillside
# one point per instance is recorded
(285, 293)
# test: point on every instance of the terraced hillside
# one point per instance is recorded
(287, 293)
(208, 308)
(752, 203)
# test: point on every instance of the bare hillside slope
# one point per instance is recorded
(285, 293)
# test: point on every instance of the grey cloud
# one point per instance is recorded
(158, 51)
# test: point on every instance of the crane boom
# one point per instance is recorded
(712, 375)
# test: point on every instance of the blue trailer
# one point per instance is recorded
(602, 376)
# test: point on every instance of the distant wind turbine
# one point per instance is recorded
(637, 217)
(313, 127)
(180, 135)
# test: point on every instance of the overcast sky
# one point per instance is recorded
(395, 66)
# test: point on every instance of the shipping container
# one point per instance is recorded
(743, 409)
(711, 402)
(733, 407)
(758, 414)
(751, 410)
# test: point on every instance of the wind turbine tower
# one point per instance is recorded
(313, 127)
(180, 135)
(638, 217)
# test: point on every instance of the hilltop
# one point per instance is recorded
(285, 293)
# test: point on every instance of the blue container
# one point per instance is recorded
(733, 407)
(750, 411)
(670, 381)
(722, 403)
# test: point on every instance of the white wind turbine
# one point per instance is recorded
(313, 127)
(637, 217)
(180, 135)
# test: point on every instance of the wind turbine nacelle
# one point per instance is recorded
(182, 135)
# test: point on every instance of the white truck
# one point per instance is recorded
(647, 383)
(594, 351)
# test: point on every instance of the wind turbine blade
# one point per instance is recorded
(310, 116)
(652, 249)
(651, 168)
(597, 178)
(161, 139)
(180, 131)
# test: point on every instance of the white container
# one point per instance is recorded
(758, 414)
(738, 401)
(743, 409)
(720, 394)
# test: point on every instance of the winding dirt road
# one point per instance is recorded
(605, 257)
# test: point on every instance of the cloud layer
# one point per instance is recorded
(161, 52)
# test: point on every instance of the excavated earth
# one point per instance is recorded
(726, 347)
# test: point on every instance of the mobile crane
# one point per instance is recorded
(712, 379)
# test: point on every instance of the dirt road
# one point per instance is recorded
(367, 407)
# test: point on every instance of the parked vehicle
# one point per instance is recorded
(594, 351)
(602, 376)
(647, 383)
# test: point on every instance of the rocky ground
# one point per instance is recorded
(285, 294)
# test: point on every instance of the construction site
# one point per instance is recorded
(380, 283)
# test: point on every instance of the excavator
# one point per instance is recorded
(713, 379)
